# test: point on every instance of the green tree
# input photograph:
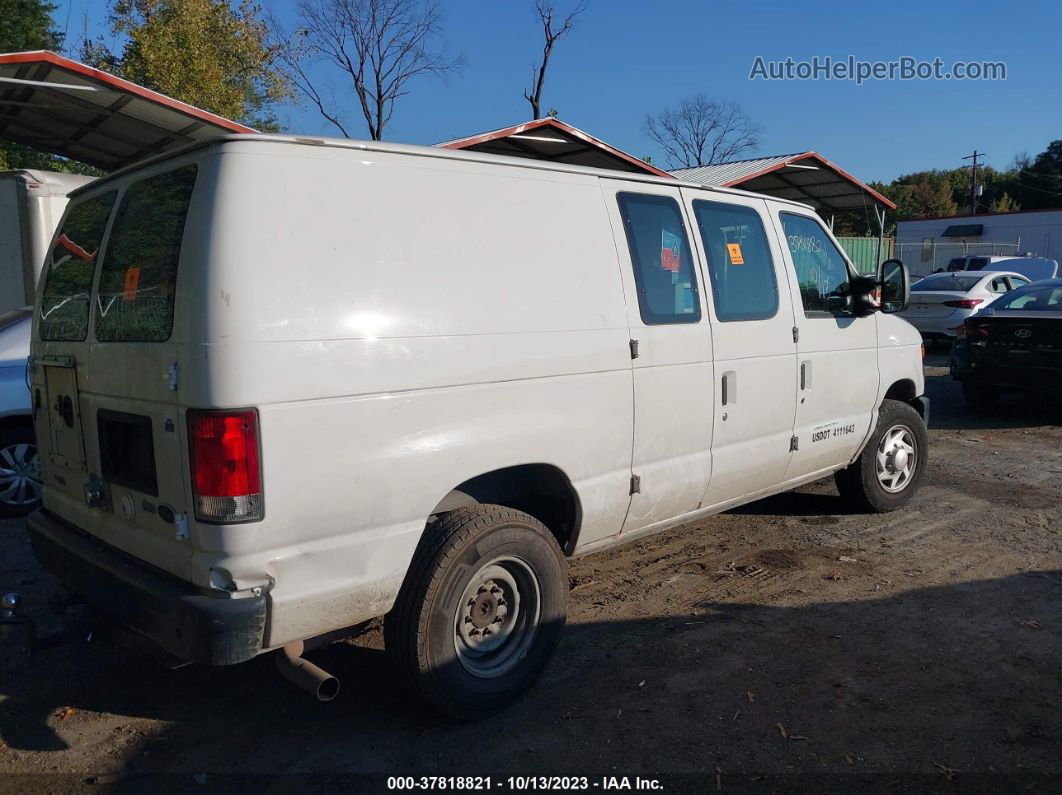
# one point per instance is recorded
(207, 53)
(1038, 184)
(1004, 204)
(27, 25)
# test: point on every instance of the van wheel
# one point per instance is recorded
(889, 470)
(20, 472)
(480, 611)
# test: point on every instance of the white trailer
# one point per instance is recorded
(31, 204)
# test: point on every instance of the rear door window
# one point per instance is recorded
(69, 269)
(663, 263)
(138, 278)
(739, 261)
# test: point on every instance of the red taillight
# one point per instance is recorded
(226, 472)
(965, 303)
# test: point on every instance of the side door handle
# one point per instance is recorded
(805, 375)
(729, 388)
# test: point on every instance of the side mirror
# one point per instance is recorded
(895, 284)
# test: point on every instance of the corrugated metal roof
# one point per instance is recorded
(803, 176)
(555, 141)
(725, 173)
(61, 106)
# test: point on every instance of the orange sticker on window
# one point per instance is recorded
(132, 280)
(734, 250)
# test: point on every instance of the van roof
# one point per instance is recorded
(426, 151)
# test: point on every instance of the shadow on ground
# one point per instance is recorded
(965, 677)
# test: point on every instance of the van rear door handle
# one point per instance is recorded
(729, 387)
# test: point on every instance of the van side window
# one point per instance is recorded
(821, 269)
(69, 269)
(739, 261)
(663, 263)
(139, 273)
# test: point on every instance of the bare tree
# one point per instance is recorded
(552, 34)
(702, 131)
(378, 45)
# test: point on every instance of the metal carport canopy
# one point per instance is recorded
(804, 177)
(59, 105)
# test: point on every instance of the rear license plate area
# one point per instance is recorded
(127, 450)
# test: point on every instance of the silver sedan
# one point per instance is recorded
(942, 301)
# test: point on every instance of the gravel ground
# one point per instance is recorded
(784, 645)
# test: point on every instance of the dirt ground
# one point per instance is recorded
(784, 645)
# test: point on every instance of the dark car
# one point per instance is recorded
(1013, 345)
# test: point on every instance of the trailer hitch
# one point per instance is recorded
(12, 625)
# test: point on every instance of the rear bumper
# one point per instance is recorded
(938, 327)
(214, 630)
(964, 366)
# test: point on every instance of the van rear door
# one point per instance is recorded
(106, 378)
(671, 350)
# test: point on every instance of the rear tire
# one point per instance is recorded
(480, 611)
(978, 397)
(20, 473)
(890, 469)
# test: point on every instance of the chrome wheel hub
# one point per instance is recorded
(20, 475)
(497, 617)
(896, 458)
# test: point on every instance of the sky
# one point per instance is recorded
(628, 58)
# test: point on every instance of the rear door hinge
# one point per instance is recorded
(796, 334)
(794, 444)
(634, 349)
(636, 484)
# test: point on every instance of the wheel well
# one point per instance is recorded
(904, 390)
(541, 490)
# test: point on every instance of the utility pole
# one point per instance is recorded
(973, 179)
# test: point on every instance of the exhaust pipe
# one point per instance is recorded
(304, 673)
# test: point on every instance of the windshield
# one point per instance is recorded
(1032, 299)
(949, 282)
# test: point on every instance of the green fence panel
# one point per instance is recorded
(863, 251)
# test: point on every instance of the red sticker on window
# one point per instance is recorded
(670, 251)
(132, 280)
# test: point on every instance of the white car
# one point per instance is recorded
(20, 490)
(941, 302)
(289, 385)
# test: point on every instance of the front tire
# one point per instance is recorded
(480, 611)
(890, 469)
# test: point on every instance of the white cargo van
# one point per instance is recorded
(287, 385)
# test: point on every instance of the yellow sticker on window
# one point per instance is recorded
(734, 250)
